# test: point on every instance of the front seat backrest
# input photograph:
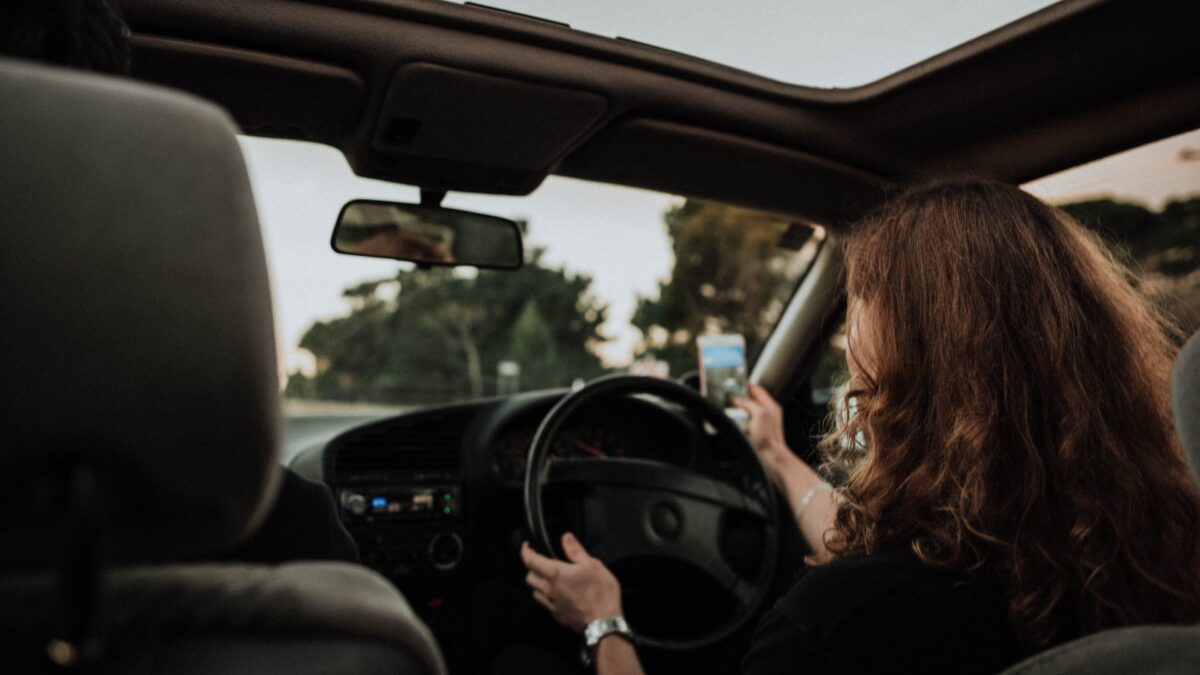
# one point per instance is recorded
(139, 400)
(1185, 401)
(1155, 650)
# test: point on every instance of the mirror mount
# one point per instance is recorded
(432, 198)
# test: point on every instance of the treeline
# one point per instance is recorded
(433, 335)
(1161, 248)
(427, 336)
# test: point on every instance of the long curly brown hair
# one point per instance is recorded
(1012, 416)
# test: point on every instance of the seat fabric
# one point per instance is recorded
(1155, 650)
(1185, 401)
(219, 618)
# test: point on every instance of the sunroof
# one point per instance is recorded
(815, 43)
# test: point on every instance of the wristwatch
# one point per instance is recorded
(596, 631)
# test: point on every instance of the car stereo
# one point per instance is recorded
(384, 504)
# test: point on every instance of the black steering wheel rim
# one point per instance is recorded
(762, 502)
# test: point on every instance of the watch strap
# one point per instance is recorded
(599, 629)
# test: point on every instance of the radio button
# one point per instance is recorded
(445, 549)
(355, 503)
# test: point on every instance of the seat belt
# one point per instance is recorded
(73, 645)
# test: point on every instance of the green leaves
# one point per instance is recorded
(729, 276)
(443, 334)
(1162, 249)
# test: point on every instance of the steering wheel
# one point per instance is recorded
(653, 508)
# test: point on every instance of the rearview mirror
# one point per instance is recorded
(427, 235)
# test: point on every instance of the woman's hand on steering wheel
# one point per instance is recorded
(635, 508)
(576, 592)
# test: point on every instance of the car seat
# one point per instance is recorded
(140, 403)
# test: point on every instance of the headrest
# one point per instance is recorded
(1185, 401)
(137, 330)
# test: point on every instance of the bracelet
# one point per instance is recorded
(808, 497)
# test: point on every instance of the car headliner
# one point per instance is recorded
(465, 98)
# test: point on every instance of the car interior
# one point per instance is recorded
(142, 380)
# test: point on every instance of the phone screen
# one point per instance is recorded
(722, 368)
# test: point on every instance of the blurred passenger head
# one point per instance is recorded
(1013, 414)
(87, 34)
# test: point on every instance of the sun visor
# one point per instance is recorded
(453, 129)
(697, 162)
(267, 94)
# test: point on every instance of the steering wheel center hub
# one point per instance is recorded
(666, 521)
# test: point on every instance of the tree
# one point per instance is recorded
(729, 276)
(1162, 249)
(346, 348)
(533, 347)
(444, 333)
(1122, 225)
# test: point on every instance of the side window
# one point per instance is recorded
(831, 370)
(807, 407)
(1145, 203)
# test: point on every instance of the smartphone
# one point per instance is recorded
(722, 368)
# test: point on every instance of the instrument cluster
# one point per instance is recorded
(623, 436)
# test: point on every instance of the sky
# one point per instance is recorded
(1150, 175)
(818, 43)
(616, 234)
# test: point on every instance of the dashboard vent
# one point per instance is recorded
(428, 444)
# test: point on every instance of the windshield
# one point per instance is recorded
(615, 279)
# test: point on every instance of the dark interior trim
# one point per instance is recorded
(268, 94)
(1072, 83)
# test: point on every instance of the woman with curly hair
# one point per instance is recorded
(1013, 478)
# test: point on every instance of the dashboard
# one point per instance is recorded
(433, 497)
